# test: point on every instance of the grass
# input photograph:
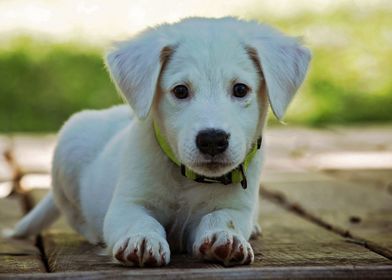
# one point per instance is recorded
(43, 83)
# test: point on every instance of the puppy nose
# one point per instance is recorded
(212, 141)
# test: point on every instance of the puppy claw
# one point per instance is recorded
(227, 248)
(142, 250)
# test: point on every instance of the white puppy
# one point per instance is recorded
(183, 166)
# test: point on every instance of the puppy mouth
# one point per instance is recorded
(212, 165)
(212, 168)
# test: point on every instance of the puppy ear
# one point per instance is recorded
(283, 62)
(135, 66)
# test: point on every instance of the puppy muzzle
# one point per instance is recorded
(237, 175)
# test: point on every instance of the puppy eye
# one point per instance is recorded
(240, 90)
(181, 92)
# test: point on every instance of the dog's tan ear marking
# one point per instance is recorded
(252, 52)
(135, 66)
(166, 53)
(283, 62)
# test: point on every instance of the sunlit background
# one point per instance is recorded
(51, 55)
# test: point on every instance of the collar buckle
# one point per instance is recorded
(244, 182)
(259, 141)
(225, 179)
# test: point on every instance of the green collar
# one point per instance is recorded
(237, 175)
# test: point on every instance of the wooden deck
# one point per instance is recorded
(326, 212)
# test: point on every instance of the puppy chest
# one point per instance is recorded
(187, 212)
(182, 223)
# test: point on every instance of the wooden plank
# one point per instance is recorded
(298, 149)
(16, 256)
(349, 208)
(71, 252)
(364, 138)
(314, 272)
(67, 251)
(287, 140)
(380, 179)
(287, 241)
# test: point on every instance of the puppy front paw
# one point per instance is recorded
(142, 250)
(225, 247)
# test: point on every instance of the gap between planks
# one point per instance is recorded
(281, 200)
(24, 198)
(28, 205)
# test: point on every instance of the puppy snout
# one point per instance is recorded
(212, 141)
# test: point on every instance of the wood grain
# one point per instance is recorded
(353, 207)
(16, 256)
(380, 179)
(288, 241)
(304, 272)
(299, 149)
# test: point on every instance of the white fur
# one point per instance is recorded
(112, 180)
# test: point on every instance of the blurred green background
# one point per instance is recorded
(42, 82)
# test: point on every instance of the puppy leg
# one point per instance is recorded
(134, 237)
(222, 236)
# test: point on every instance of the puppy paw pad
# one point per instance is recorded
(224, 247)
(223, 251)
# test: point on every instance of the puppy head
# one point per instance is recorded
(211, 80)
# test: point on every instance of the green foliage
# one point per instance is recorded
(42, 84)
(350, 79)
